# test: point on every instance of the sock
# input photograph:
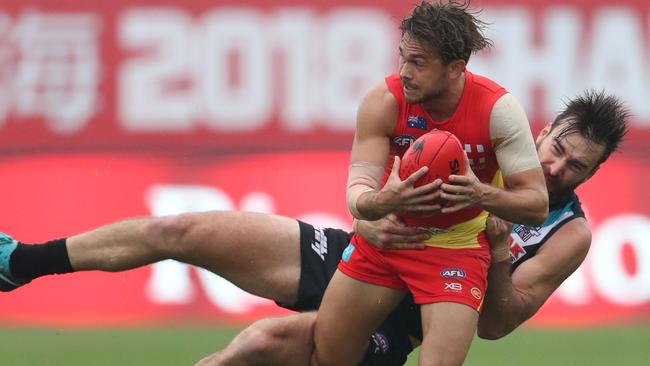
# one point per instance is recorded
(30, 261)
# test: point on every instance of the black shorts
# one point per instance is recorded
(320, 252)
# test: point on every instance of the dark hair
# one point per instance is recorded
(448, 28)
(598, 117)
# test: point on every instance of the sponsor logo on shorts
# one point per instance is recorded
(452, 273)
(319, 245)
(476, 293)
(381, 343)
(347, 253)
(453, 287)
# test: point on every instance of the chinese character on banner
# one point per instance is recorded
(49, 67)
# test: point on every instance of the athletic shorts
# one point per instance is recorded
(320, 252)
(432, 274)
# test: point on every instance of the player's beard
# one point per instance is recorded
(430, 93)
(557, 190)
(424, 97)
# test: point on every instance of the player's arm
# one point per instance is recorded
(376, 119)
(390, 232)
(513, 298)
(525, 200)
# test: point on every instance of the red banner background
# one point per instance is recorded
(130, 108)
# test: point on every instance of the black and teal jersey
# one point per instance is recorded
(525, 240)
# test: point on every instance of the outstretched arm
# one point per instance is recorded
(513, 298)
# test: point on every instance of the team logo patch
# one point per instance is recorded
(516, 251)
(381, 343)
(476, 293)
(452, 273)
(527, 232)
(417, 122)
(347, 253)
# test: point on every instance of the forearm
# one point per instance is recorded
(363, 183)
(504, 309)
(370, 207)
(524, 206)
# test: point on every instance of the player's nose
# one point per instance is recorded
(555, 168)
(404, 71)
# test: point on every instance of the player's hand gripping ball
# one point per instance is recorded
(443, 153)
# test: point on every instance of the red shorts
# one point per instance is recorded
(431, 274)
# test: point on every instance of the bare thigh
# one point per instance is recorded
(448, 330)
(259, 253)
(350, 311)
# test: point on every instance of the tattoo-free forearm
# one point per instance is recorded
(526, 206)
(504, 309)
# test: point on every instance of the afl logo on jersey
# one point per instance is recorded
(403, 140)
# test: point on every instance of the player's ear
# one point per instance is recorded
(456, 68)
(543, 133)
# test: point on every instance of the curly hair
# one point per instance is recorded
(448, 28)
(598, 117)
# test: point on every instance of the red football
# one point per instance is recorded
(442, 152)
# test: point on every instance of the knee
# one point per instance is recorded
(258, 340)
(268, 337)
(264, 341)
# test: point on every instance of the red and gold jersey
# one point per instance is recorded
(471, 124)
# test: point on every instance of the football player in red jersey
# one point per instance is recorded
(433, 90)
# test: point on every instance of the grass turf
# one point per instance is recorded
(183, 345)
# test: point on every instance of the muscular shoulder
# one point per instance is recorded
(566, 249)
(378, 109)
(511, 136)
(574, 236)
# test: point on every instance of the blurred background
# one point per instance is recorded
(115, 109)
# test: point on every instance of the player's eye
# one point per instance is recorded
(555, 149)
(577, 168)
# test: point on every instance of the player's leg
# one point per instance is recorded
(448, 330)
(350, 311)
(289, 340)
(286, 341)
(260, 253)
(449, 285)
(393, 341)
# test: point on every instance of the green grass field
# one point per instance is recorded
(185, 345)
